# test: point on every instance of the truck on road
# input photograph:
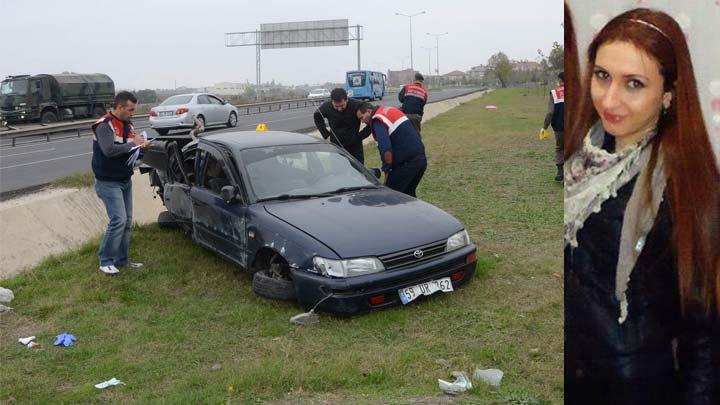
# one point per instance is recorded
(53, 97)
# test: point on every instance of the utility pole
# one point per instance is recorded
(410, 16)
(437, 50)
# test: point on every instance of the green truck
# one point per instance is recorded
(50, 98)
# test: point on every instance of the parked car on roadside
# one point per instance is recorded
(319, 93)
(177, 112)
(308, 220)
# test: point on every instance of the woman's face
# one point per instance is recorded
(627, 91)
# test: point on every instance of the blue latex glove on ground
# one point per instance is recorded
(64, 339)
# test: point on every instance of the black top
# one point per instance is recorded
(344, 124)
(634, 362)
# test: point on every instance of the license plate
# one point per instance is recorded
(409, 294)
(166, 113)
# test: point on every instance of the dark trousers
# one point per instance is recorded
(415, 119)
(357, 152)
(406, 177)
(558, 147)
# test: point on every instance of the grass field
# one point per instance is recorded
(188, 328)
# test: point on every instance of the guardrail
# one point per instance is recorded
(77, 126)
(81, 128)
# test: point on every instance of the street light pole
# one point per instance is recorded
(437, 50)
(429, 51)
(410, 16)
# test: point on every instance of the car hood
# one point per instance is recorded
(368, 222)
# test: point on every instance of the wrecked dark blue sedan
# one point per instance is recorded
(310, 222)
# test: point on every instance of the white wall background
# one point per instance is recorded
(700, 19)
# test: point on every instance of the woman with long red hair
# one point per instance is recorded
(641, 224)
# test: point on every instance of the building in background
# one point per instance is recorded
(227, 89)
(397, 78)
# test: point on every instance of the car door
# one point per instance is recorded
(220, 112)
(205, 108)
(176, 190)
(218, 224)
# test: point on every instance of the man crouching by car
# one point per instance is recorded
(401, 149)
(114, 142)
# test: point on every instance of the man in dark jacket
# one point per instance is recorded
(554, 117)
(413, 97)
(401, 149)
(114, 143)
(340, 113)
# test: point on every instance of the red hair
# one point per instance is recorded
(572, 68)
(693, 186)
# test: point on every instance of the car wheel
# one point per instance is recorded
(98, 111)
(232, 120)
(162, 131)
(167, 220)
(272, 283)
(48, 117)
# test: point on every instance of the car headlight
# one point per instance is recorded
(458, 240)
(348, 268)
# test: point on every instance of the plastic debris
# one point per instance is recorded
(26, 341)
(306, 318)
(491, 107)
(491, 376)
(65, 339)
(3, 308)
(109, 383)
(461, 384)
(6, 295)
(543, 134)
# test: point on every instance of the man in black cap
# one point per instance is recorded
(341, 114)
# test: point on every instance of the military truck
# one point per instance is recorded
(53, 97)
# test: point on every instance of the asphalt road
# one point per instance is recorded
(34, 162)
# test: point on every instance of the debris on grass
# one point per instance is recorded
(461, 384)
(26, 340)
(491, 376)
(3, 308)
(65, 339)
(6, 295)
(109, 383)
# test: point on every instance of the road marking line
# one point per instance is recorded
(46, 160)
(25, 153)
(38, 143)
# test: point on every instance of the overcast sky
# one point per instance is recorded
(161, 43)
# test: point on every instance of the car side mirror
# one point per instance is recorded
(228, 194)
(376, 172)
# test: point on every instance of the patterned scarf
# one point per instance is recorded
(593, 175)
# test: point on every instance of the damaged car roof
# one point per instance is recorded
(252, 139)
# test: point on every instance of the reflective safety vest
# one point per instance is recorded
(558, 94)
(391, 117)
(123, 129)
(416, 90)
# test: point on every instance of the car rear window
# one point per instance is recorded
(175, 100)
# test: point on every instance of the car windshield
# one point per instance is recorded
(356, 79)
(13, 87)
(176, 100)
(297, 171)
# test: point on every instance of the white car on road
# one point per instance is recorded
(319, 93)
(177, 112)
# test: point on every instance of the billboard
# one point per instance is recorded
(304, 34)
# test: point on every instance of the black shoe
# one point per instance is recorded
(559, 175)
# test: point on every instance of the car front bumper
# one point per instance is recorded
(352, 295)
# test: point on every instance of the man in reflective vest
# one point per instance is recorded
(114, 142)
(413, 97)
(554, 117)
(401, 149)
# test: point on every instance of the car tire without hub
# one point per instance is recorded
(266, 283)
(48, 117)
(166, 220)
